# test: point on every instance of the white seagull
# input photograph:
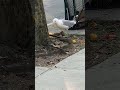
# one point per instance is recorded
(62, 24)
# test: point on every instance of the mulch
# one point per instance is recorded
(16, 72)
(60, 47)
(107, 43)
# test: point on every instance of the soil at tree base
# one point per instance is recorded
(107, 43)
(47, 56)
(13, 62)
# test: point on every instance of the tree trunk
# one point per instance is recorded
(41, 30)
(16, 23)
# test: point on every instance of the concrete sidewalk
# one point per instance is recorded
(69, 74)
(105, 76)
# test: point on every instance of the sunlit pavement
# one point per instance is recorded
(105, 76)
(69, 74)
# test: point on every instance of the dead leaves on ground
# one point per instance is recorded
(104, 43)
(60, 40)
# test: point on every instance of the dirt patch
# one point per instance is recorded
(14, 81)
(16, 71)
(106, 44)
(59, 48)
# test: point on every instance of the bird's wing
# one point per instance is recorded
(60, 25)
(63, 27)
(60, 22)
(69, 23)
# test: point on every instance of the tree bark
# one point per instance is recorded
(41, 30)
(16, 23)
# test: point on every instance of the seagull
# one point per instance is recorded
(62, 24)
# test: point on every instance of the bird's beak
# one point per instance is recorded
(50, 24)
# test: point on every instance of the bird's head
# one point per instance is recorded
(55, 20)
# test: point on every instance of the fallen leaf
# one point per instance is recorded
(74, 41)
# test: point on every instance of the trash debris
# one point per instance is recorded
(74, 41)
(93, 37)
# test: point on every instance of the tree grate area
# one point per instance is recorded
(104, 43)
(58, 48)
